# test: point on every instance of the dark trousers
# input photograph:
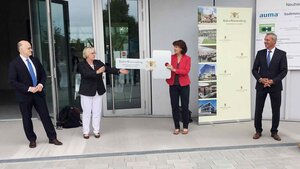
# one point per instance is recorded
(40, 105)
(259, 106)
(182, 92)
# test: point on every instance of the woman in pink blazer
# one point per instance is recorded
(180, 85)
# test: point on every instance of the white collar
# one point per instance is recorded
(24, 58)
(272, 50)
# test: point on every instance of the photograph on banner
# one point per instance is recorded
(207, 15)
(207, 107)
(207, 90)
(207, 72)
(207, 53)
(207, 36)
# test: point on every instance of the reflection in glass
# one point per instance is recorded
(81, 35)
(121, 34)
(40, 46)
(73, 30)
(60, 25)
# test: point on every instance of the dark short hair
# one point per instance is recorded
(181, 44)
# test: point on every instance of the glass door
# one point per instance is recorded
(60, 31)
(40, 43)
(121, 27)
(51, 46)
(62, 57)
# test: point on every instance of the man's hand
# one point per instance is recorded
(39, 87)
(266, 82)
(32, 89)
(269, 83)
(263, 80)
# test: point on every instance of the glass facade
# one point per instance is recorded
(81, 35)
(121, 38)
(73, 29)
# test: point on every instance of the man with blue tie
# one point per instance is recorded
(27, 75)
(269, 68)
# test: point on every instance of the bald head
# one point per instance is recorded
(24, 48)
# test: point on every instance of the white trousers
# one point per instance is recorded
(92, 108)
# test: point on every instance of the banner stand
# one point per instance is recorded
(224, 64)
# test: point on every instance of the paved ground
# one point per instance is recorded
(138, 143)
(283, 157)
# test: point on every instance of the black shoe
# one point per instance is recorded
(55, 142)
(97, 135)
(32, 144)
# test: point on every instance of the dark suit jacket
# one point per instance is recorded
(90, 80)
(19, 77)
(276, 71)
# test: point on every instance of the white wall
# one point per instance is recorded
(171, 20)
(292, 95)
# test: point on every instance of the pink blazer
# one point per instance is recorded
(182, 71)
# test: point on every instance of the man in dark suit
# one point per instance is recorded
(27, 75)
(269, 68)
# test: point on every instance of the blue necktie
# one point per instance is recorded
(269, 57)
(33, 78)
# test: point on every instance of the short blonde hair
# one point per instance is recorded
(86, 51)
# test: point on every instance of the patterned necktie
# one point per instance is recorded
(269, 57)
(30, 68)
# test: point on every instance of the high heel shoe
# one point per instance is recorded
(185, 131)
(176, 131)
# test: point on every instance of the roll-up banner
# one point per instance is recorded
(224, 68)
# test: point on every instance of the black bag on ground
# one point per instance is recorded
(69, 117)
(190, 115)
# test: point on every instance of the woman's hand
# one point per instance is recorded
(170, 67)
(123, 71)
(101, 70)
